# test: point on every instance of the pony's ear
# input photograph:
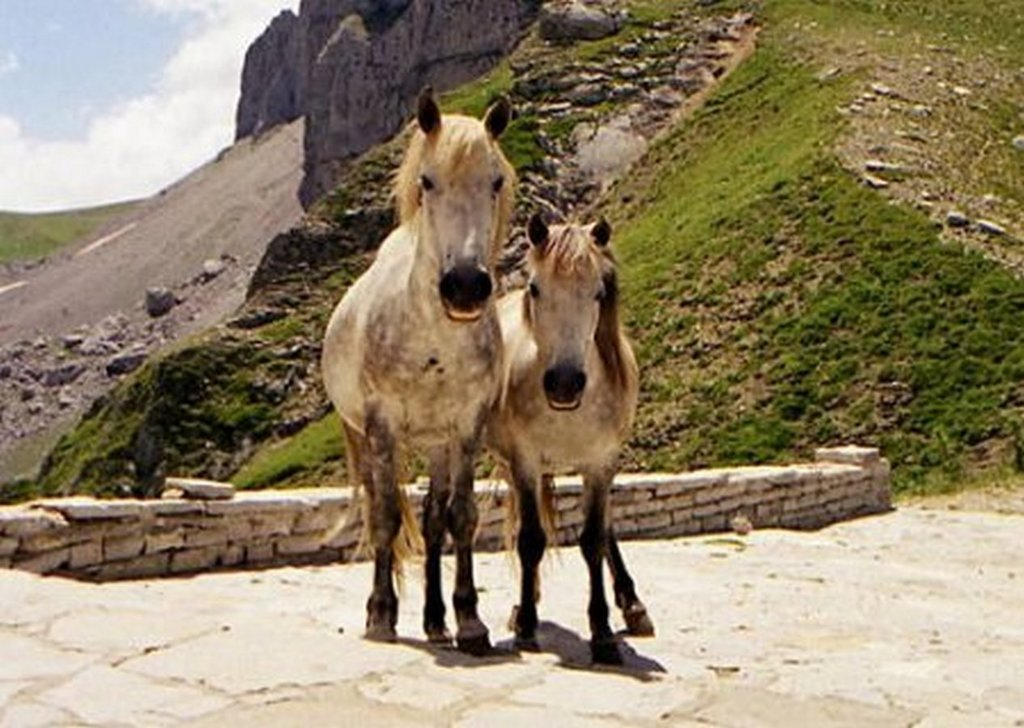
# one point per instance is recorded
(498, 117)
(602, 233)
(428, 114)
(537, 230)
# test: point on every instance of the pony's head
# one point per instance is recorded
(458, 188)
(572, 307)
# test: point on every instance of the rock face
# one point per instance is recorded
(354, 68)
(272, 93)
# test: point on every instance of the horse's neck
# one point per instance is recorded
(421, 287)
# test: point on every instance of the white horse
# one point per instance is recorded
(412, 356)
(568, 399)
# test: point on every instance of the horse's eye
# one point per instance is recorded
(498, 184)
(599, 296)
(534, 291)
(428, 184)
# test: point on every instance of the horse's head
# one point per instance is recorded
(458, 185)
(572, 305)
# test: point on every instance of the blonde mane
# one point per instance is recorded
(460, 144)
(571, 253)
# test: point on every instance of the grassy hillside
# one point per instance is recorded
(777, 302)
(26, 237)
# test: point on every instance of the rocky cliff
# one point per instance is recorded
(354, 67)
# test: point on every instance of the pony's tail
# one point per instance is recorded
(409, 541)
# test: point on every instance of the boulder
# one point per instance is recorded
(159, 302)
(575, 21)
(62, 375)
(126, 362)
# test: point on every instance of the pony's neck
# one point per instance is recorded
(423, 274)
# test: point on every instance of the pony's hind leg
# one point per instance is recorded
(594, 544)
(435, 506)
(385, 521)
(472, 636)
(638, 622)
(530, 544)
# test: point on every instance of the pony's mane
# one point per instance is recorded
(571, 252)
(460, 144)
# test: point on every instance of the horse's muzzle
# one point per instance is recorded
(464, 291)
(564, 385)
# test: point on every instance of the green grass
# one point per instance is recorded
(25, 237)
(776, 301)
(318, 444)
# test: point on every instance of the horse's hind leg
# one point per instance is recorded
(472, 635)
(435, 505)
(385, 521)
(530, 544)
(638, 623)
(594, 544)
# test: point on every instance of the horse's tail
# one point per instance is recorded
(409, 542)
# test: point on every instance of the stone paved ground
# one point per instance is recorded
(914, 618)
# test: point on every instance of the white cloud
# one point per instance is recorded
(9, 63)
(137, 147)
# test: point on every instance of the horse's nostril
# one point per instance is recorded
(549, 381)
(579, 382)
(449, 287)
(482, 286)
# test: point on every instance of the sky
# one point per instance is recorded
(110, 100)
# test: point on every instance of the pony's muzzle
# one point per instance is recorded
(464, 291)
(564, 385)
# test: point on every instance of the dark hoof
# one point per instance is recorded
(527, 644)
(638, 623)
(605, 652)
(473, 639)
(380, 633)
(439, 635)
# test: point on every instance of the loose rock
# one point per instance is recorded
(576, 21)
(126, 362)
(1018, 143)
(212, 268)
(991, 228)
(62, 375)
(957, 219)
(159, 302)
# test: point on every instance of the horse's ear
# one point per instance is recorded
(498, 117)
(537, 230)
(428, 113)
(602, 233)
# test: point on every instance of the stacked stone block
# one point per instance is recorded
(111, 540)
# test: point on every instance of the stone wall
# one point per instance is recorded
(109, 540)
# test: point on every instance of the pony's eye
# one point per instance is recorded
(428, 184)
(498, 184)
(599, 296)
(534, 291)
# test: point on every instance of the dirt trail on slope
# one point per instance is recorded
(70, 327)
(229, 207)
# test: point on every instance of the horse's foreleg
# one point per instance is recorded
(435, 506)
(530, 544)
(638, 623)
(385, 522)
(594, 545)
(472, 635)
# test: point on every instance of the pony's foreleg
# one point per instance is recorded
(435, 505)
(472, 635)
(385, 523)
(594, 545)
(638, 623)
(530, 544)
